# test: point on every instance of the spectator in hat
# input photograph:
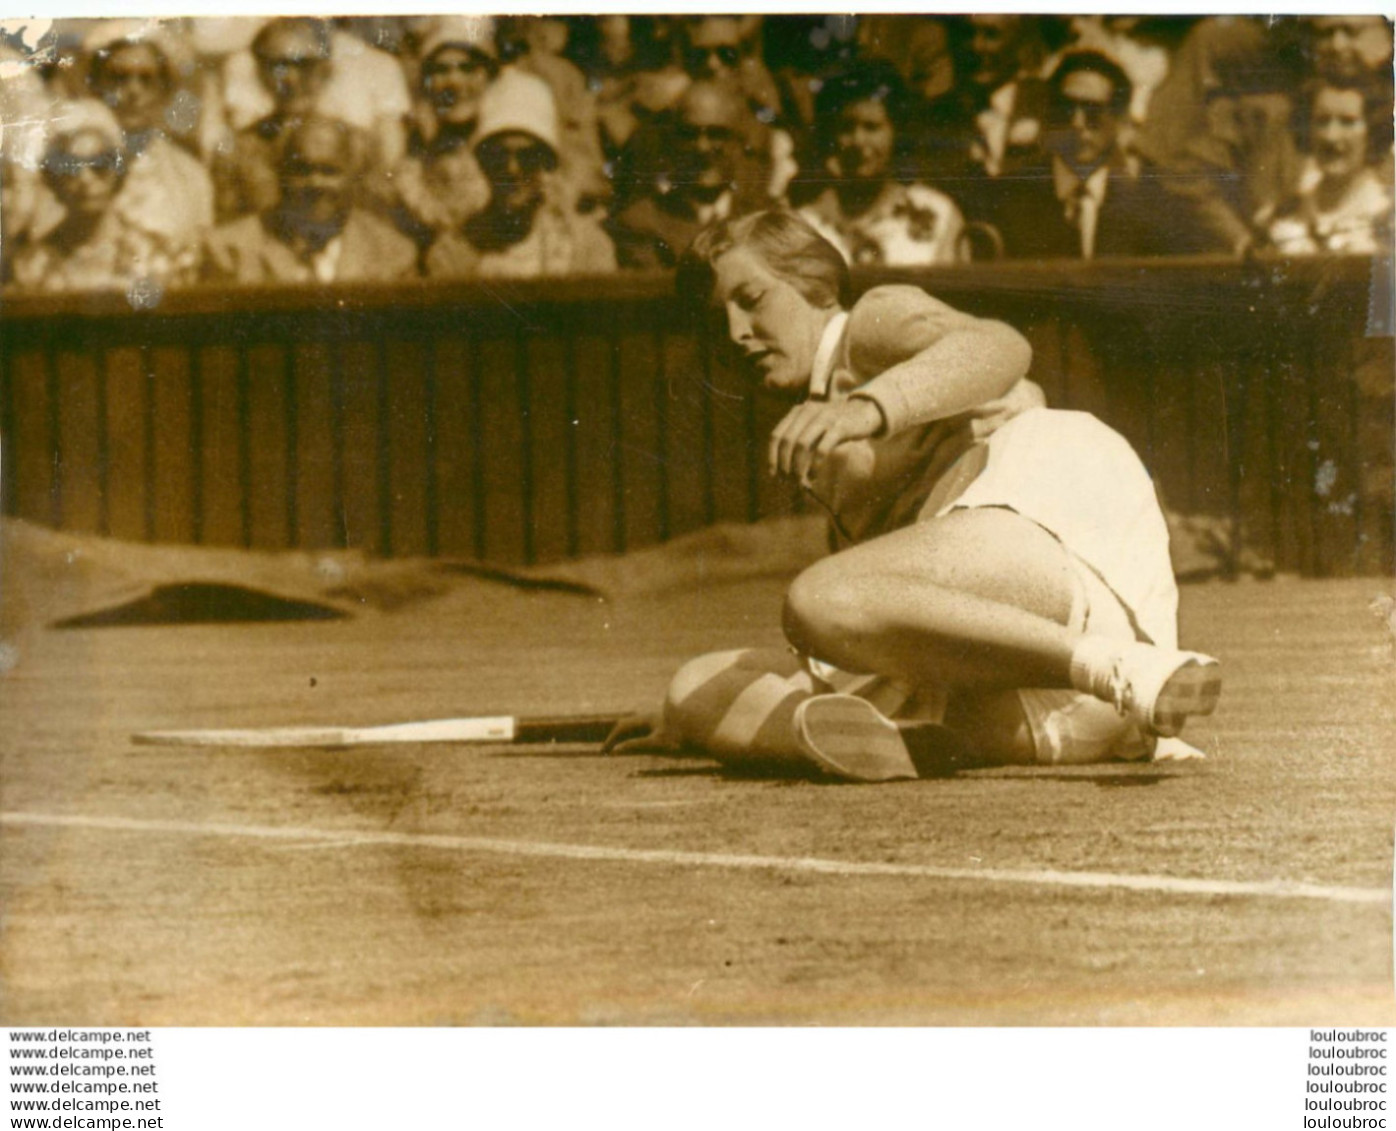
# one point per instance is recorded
(91, 243)
(293, 65)
(871, 215)
(315, 233)
(438, 185)
(526, 230)
(131, 67)
(1344, 201)
(703, 183)
(536, 44)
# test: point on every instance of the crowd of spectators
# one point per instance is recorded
(146, 155)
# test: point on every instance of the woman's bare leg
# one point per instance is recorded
(979, 599)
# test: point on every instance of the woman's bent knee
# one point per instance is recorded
(821, 607)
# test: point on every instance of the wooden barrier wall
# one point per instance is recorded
(528, 422)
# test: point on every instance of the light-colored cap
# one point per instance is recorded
(474, 32)
(84, 114)
(518, 101)
(106, 34)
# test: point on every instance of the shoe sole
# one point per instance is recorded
(850, 739)
(1191, 690)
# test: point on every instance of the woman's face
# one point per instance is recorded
(1339, 136)
(133, 81)
(83, 171)
(773, 326)
(863, 141)
(453, 79)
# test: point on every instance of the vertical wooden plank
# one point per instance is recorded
(174, 457)
(220, 447)
(688, 446)
(1047, 338)
(730, 399)
(408, 448)
(127, 420)
(267, 453)
(551, 428)
(500, 506)
(312, 380)
(33, 466)
(79, 441)
(1375, 408)
(7, 426)
(455, 448)
(1125, 382)
(1286, 414)
(1210, 446)
(641, 455)
(1335, 483)
(361, 454)
(594, 410)
(1083, 380)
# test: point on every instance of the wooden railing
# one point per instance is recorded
(533, 421)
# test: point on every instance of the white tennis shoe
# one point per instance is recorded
(1158, 687)
(849, 738)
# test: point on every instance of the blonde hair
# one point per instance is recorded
(791, 249)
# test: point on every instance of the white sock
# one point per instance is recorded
(1093, 663)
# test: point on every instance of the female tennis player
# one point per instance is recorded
(1000, 591)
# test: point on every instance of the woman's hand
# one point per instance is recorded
(813, 429)
(639, 734)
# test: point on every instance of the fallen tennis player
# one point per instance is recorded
(1000, 590)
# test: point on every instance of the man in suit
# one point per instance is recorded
(708, 179)
(1086, 198)
(314, 234)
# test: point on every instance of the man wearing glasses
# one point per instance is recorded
(1085, 198)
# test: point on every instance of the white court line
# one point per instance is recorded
(1169, 885)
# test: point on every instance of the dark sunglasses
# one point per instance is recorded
(497, 159)
(727, 55)
(67, 165)
(1094, 113)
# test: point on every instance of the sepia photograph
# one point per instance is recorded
(749, 520)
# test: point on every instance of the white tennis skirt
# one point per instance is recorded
(1081, 481)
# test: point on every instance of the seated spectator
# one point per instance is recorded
(1219, 127)
(932, 57)
(314, 234)
(727, 49)
(536, 45)
(703, 184)
(630, 67)
(1084, 200)
(367, 88)
(724, 49)
(1344, 201)
(439, 184)
(167, 193)
(293, 64)
(91, 243)
(871, 217)
(1006, 52)
(1351, 47)
(526, 230)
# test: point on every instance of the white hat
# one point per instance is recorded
(518, 101)
(68, 118)
(474, 32)
(106, 34)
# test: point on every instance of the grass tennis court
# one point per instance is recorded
(495, 885)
